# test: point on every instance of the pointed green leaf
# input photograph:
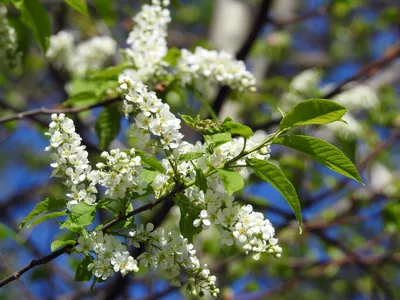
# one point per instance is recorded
(201, 180)
(47, 217)
(110, 72)
(172, 57)
(58, 244)
(5, 232)
(82, 271)
(323, 152)
(83, 214)
(272, 174)
(236, 128)
(36, 18)
(232, 180)
(150, 161)
(189, 213)
(106, 9)
(108, 125)
(46, 205)
(78, 5)
(218, 139)
(313, 111)
(190, 156)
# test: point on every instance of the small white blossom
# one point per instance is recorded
(9, 55)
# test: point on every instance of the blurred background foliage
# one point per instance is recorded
(350, 248)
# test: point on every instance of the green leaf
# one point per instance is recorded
(58, 244)
(150, 161)
(47, 217)
(5, 232)
(82, 272)
(78, 5)
(189, 213)
(47, 205)
(232, 180)
(147, 176)
(109, 73)
(323, 152)
(106, 9)
(82, 97)
(313, 111)
(201, 180)
(36, 18)
(82, 214)
(190, 156)
(172, 57)
(236, 128)
(272, 174)
(218, 139)
(108, 125)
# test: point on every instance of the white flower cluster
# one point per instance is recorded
(360, 97)
(9, 56)
(71, 160)
(122, 173)
(349, 131)
(238, 225)
(111, 255)
(153, 115)
(210, 67)
(147, 41)
(90, 55)
(169, 252)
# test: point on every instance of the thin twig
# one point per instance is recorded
(49, 111)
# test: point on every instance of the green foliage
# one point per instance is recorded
(313, 111)
(201, 180)
(190, 156)
(211, 127)
(47, 205)
(236, 128)
(232, 180)
(106, 9)
(82, 272)
(47, 217)
(58, 244)
(6, 232)
(272, 174)
(323, 152)
(78, 5)
(109, 73)
(82, 214)
(218, 139)
(36, 18)
(172, 57)
(189, 213)
(150, 161)
(82, 91)
(108, 125)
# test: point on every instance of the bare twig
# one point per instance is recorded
(49, 111)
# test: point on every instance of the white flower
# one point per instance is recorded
(9, 55)
(205, 66)
(203, 220)
(306, 81)
(147, 42)
(124, 263)
(90, 55)
(358, 98)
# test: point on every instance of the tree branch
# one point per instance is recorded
(67, 249)
(49, 111)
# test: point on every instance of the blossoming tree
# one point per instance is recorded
(188, 166)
